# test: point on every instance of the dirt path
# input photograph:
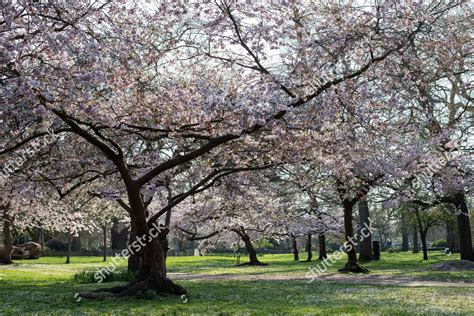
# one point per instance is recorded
(373, 279)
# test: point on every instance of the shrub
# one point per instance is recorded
(115, 276)
(439, 244)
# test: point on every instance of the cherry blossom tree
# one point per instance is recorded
(146, 90)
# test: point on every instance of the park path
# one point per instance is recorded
(369, 279)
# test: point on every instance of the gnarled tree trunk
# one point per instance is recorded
(152, 245)
(249, 247)
(464, 227)
(152, 271)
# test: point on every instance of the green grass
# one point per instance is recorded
(46, 286)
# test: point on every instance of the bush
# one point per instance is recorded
(439, 244)
(85, 277)
(393, 250)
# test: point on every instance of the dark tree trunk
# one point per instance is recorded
(352, 264)
(416, 247)
(365, 235)
(251, 251)
(308, 248)
(294, 243)
(249, 247)
(405, 233)
(6, 257)
(464, 227)
(135, 261)
(152, 249)
(451, 236)
(152, 271)
(69, 247)
(424, 246)
(376, 250)
(423, 231)
(104, 247)
(322, 247)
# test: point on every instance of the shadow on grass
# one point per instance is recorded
(297, 297)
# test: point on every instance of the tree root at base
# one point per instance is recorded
(353, 267)
(253, 264)
(135, 288)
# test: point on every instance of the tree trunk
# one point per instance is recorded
(135, 260)
(423, 244)
(69, 247)
(251, 251)
(294, 242)
(423, 231)
(376, 250)
(404, 228)
(451, 236)
(365, 234)
(152, 271)
(416, 247)
(308, 248)
(352, 264)
(6, 257)
(322, 247)
(104, 247)
(249, 247)
(464, 227)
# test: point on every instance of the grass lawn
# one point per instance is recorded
(45, 286)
